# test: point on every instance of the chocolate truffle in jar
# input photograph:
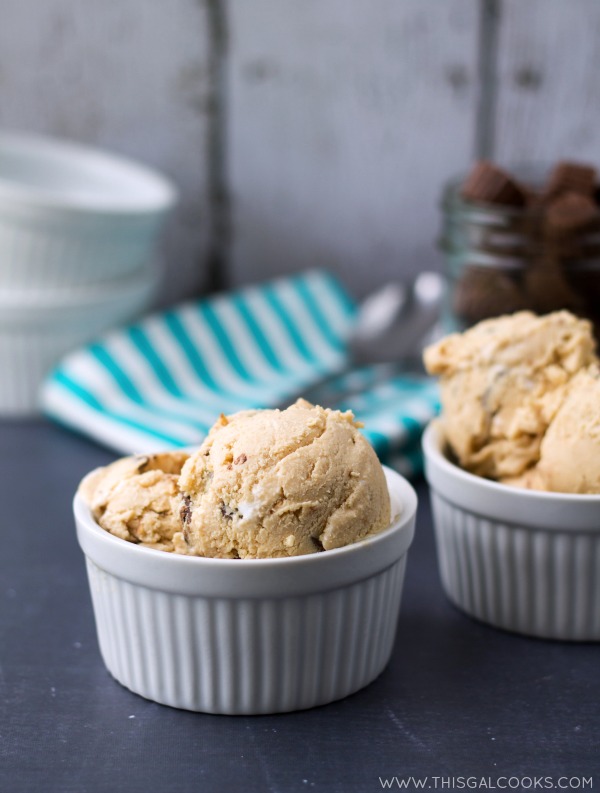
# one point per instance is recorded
(528, 240)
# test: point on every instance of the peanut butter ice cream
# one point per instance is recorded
(273, 483)
(502, 384)
(264, 484)
(570, 451)
(138, 499)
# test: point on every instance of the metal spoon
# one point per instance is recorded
(390, 328)
(392, 322)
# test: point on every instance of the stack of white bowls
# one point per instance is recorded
(77, 236)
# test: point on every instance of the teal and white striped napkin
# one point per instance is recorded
(162, 382)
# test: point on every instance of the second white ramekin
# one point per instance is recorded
(248, 636)
(38, 328)
(522, 560)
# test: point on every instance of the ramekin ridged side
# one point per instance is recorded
(26, 357)
(246, 655)
(37, 330)
(520, 560)
(535, 582)
(249, 636)
(64, 252)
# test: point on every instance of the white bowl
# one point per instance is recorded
(71, 215)
(37, 329)
(248, 636)
(522, 560)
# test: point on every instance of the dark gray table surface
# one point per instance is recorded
(458, 699)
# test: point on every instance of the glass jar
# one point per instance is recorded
(504, 259)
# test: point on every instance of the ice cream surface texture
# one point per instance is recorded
(272, 483)
(570, 452)
(138, 499)
(264, 484)
(514, 392)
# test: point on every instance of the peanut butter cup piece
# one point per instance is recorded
(482, 292)
(491, 185)
(571, 213)
(549, 290)
(570, 177)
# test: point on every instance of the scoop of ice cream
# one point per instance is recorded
(273, 483)
(502, 382)
(138, 499)
(570, 451)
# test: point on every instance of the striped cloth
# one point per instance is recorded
(162, 382)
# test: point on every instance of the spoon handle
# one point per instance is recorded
(311, 392)
(367, 378)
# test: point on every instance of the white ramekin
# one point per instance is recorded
(522, 560)
(38, 328)
(71, 215)
(248, 636)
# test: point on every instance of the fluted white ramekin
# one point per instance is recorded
(248, 636)
(71, 215)
(38, 328)
(522, 560)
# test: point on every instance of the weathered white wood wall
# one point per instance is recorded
(345, 118)
(548, 102)
(305, 132)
